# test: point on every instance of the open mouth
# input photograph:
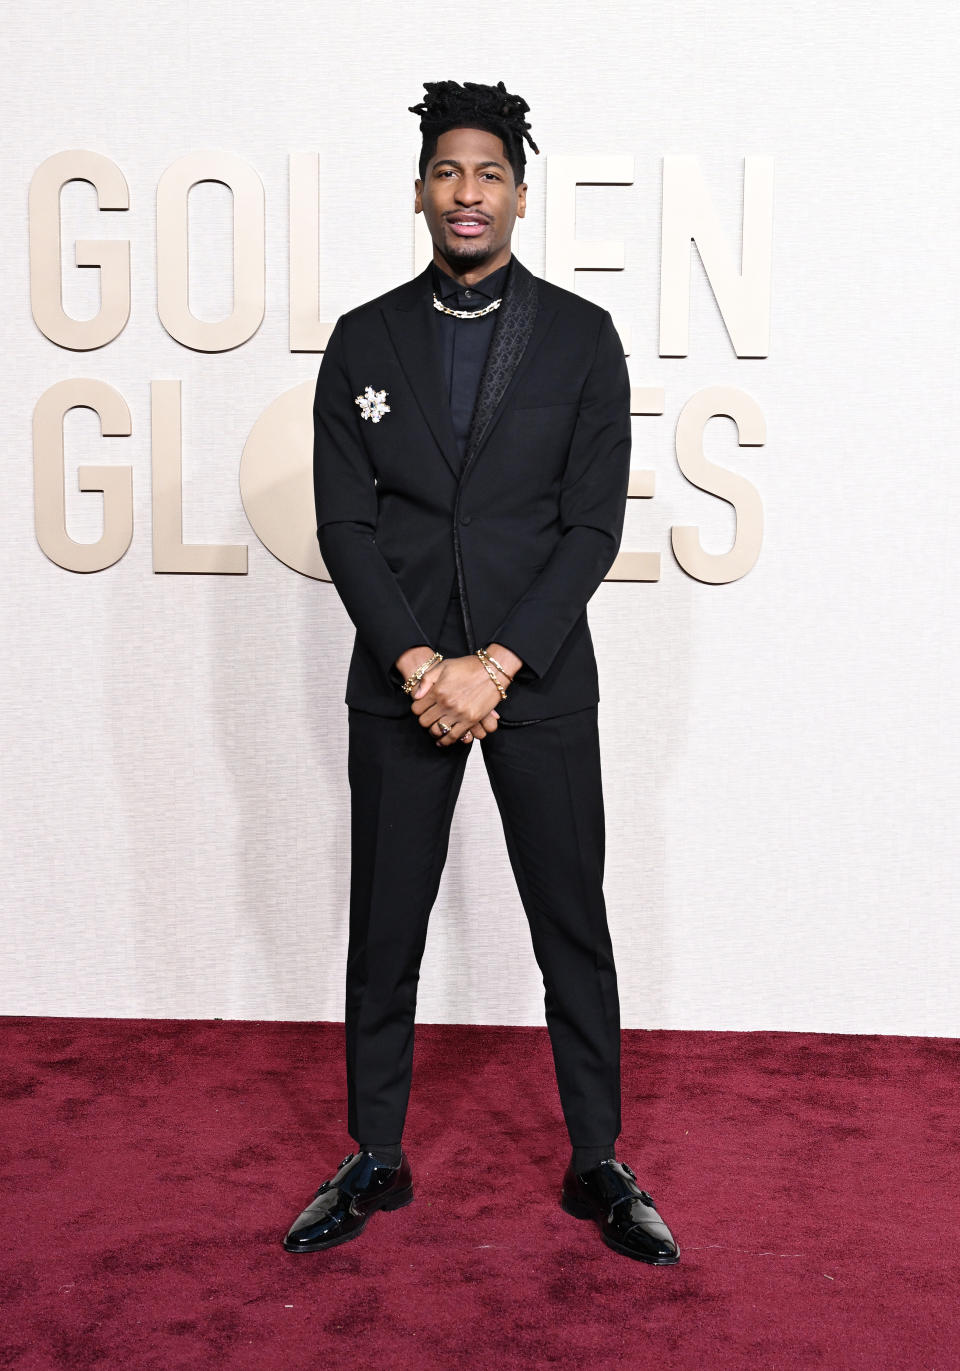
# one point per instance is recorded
(467, 226)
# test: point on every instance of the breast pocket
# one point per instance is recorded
(534, 441)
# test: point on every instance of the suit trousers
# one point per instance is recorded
(546, 779)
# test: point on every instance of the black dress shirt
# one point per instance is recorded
(465, 342)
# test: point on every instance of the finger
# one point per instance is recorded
(443, 718)
(458, 729)
(428, 714)
(426, 684)
(423, 701)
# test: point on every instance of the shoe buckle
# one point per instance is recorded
(328, 1183)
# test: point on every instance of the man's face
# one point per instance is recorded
(470, 202)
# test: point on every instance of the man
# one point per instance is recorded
(471, 461)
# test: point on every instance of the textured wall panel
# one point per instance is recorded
(780, 753)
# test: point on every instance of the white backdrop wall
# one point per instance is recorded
(780, 753)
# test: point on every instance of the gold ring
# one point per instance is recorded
(444, 728)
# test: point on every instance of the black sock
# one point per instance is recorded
(388, 1153)
(586, 1158)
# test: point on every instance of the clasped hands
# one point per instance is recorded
(459, 692)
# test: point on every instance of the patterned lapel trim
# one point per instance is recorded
(511, 334)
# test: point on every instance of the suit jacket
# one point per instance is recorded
(528, 526)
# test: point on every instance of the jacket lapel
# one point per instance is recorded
(522, 324)
(413, 333)
(520, 328)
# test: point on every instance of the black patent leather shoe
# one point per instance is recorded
(343, 1204)
(628, 1222)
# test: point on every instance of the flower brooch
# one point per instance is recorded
(373, 404)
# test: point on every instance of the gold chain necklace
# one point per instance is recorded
(466, 313)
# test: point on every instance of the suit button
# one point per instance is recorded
(465, 518)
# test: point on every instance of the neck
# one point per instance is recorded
(469, 275)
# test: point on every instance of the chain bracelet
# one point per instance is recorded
(489, 670)
(486, 655)
(411, 683)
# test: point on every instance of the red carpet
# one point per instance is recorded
(150, 1169)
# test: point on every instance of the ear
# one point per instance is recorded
(417, 196)
(521, 199)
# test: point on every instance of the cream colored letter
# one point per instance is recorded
(173, 251)
(170, 553)
(276, 481)
(116, 482)
(307, 333)
(714, 568)
(742, 295)
(112, 256)
(640, 566)
(566, 253)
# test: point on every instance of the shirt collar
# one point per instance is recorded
(490, 286)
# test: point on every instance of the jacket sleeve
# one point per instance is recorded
(593, 501)
(345, 496)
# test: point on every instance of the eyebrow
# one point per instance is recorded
(452, 162)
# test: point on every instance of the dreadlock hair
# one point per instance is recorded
(449, 105)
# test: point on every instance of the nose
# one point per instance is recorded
(469, 191)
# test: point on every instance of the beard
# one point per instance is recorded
(465, 253)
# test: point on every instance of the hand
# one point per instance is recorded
(459, 692)
(408, 661)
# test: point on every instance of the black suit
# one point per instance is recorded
(530, 525)
(525, 526)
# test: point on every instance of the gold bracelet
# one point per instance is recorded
(413, 681)
(486, 655)
(489, 670)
